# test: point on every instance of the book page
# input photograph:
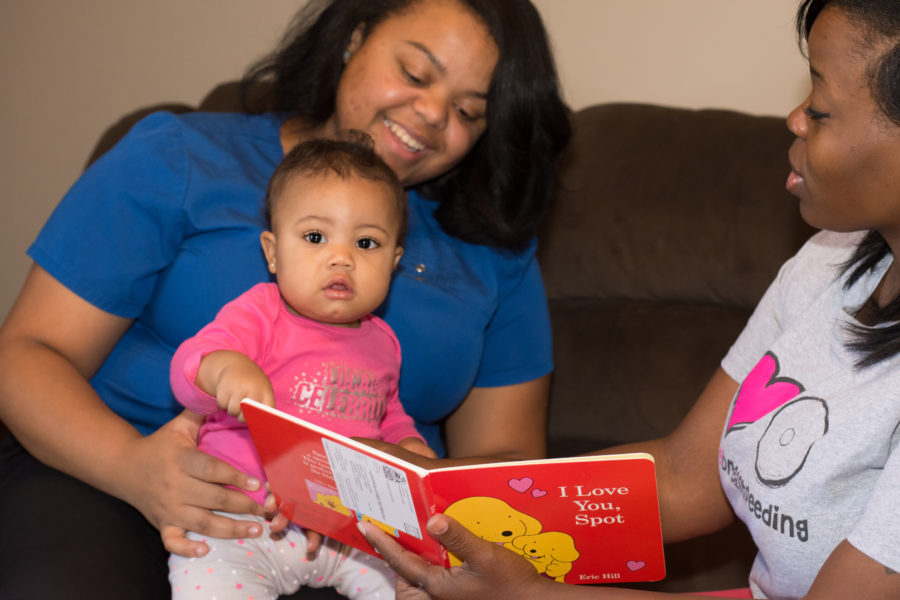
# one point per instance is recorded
(372, 488)
(582, 520)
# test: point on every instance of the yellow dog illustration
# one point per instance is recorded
(493, 520)
(552, 552)
(333, 502)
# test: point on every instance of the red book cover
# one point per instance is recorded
(588, 519)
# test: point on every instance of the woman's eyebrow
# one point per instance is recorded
(431, 57)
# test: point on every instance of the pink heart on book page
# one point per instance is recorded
(635, 565)
(537, 493)
(521, 485)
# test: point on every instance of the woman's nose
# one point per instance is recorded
(796, 119)
(431, 105)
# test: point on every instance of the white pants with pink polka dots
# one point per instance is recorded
(269, 566)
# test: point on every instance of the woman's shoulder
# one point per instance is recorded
(175, 135)
(226, 123)
(831, 245)
(217, 143)
(823, 256)
(201, 129)
(818, 266)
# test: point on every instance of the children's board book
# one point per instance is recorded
(592, 519)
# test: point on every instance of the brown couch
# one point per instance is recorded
(668, 228)
(669, 225)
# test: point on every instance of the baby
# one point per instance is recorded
(308, 346)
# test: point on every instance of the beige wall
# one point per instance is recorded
(70, 68)
(692, 53)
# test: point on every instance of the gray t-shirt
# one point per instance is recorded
(807, 454)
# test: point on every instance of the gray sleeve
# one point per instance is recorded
(801, 279)
(877, 534)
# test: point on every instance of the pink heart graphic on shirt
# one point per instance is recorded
(521, 485)
(537, 493)
(635, 565)
(762, 392)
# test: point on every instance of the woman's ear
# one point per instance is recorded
(267, 240)
(356, 40)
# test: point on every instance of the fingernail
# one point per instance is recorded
(253, 483)
(255, 530)
(437, 525)
(362, 529)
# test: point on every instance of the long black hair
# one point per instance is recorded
(880, 22)
(499, 192)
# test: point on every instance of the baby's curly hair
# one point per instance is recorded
(349, 155)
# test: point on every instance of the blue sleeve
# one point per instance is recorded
(121, 223)
(518, 345)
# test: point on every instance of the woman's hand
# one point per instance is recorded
(488, 570)
(176, 487)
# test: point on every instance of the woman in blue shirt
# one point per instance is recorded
(462, 101)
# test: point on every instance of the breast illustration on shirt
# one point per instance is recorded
(796, 421)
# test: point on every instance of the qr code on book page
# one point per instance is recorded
(394, 475)
(372, 488)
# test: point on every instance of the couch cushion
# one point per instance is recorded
(629, 371)
(668, 203)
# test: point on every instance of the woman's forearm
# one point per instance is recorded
(500, 423)
(58, 417)
(51, 343)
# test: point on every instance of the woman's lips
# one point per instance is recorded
(794, 179)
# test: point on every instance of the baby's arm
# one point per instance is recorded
(231, 376)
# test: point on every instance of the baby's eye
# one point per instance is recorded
(367, 243)
(314, 237)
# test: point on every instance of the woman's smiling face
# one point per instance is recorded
(846, 159)
(418, 84)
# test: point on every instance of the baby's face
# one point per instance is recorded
(333, 246)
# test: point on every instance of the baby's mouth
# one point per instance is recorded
(338, 288)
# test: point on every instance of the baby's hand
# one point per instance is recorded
(231, 377)
(418, 446)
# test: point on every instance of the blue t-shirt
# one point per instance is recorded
(164, 229)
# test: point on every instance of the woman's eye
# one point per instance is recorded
(412, 78)
(469, 115)
(814, 114)
(464, 114)
(314, 237)
(367, 243)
